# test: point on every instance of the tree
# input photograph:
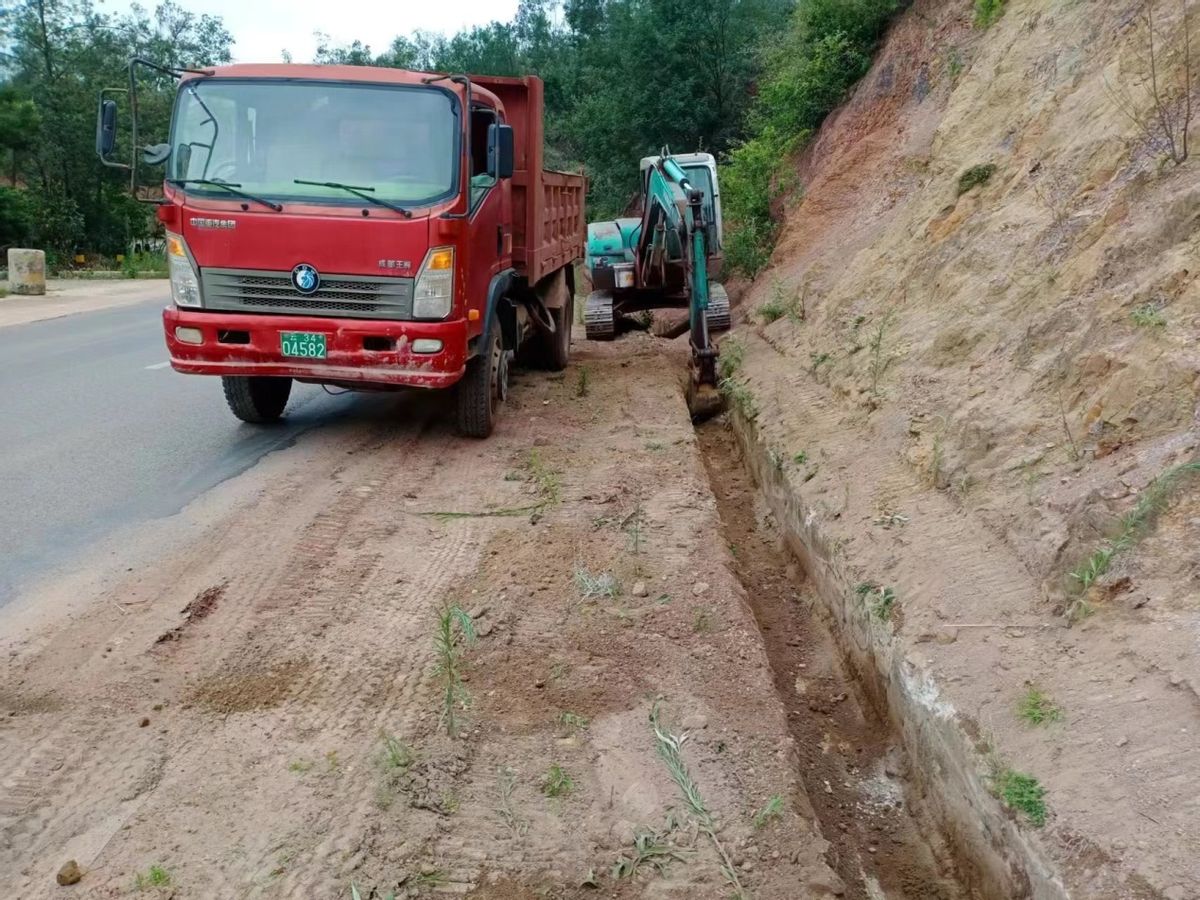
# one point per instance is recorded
(60, 53)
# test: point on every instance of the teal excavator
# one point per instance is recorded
(665, 259)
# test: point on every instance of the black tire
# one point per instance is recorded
(554, 350)
(484, 387)
(256, 400)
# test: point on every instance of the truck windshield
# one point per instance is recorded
(262, 135)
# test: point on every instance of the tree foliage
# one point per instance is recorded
(623, 77)
(747, 80)
(56, 56)
(826, 49)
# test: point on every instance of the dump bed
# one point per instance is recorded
(548, 207)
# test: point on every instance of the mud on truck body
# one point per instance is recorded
(365, 228)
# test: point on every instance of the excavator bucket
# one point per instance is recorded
(703, 401)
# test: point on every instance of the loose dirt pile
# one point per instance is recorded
(971, 375)
(264, 712)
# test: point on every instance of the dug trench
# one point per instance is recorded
(856, 774)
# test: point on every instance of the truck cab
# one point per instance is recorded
(362, 227)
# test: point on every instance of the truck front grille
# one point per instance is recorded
(353, 296)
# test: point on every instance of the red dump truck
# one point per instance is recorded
(367, 228)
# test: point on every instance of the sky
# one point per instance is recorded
(263, 29)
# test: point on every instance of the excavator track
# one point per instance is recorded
(718, 309)
(598, 318)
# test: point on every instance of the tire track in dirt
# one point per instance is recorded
(47, 789)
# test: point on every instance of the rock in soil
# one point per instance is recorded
(70, 873)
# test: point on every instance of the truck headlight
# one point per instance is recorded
(433, 294)
(185, 286)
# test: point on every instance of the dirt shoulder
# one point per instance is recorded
(66, 297)
(262, 713)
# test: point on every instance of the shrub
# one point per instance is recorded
(988, 11)
(974, 176)
(57, 226)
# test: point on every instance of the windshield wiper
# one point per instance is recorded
(230, 186)
(357, 192)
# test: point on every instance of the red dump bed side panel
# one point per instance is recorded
(549, 226)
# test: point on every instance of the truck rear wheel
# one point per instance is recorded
(256, 399)
(484, 387)
(554, 350)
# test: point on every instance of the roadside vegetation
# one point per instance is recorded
(1130, 528)
(454, 630)
(1038, 708)
(825, 49)
(670, 748)
(1022, 793)
(153, 878)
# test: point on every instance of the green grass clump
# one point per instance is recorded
(1148, 316)
(1037, 708)
(396, 754)
(880, 601)
(154, 877)
(1022, 793)
(545, 479)
(572, 721)
(601, 586)
(454, 629)
(739, 395)
(954, 63)
(988, 11)
(650, 849)
(733, 354)
(556, 782)
(582, 382)
(1130, 528)
(975, 176)
(772, 810)
(782, 302)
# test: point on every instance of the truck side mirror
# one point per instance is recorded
(500, 151)
(106, 129)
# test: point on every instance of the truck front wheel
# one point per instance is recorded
(256, 399)
(484, 387)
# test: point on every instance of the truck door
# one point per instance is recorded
(490, 217)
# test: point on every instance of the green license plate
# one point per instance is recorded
(302, 343)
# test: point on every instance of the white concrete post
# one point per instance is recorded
(27, 272)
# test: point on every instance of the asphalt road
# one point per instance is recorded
(97, 433)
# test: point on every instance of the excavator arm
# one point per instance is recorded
(674, 233)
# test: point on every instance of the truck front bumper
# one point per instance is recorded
(358, 351)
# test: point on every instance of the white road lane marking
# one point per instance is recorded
(161, 365)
